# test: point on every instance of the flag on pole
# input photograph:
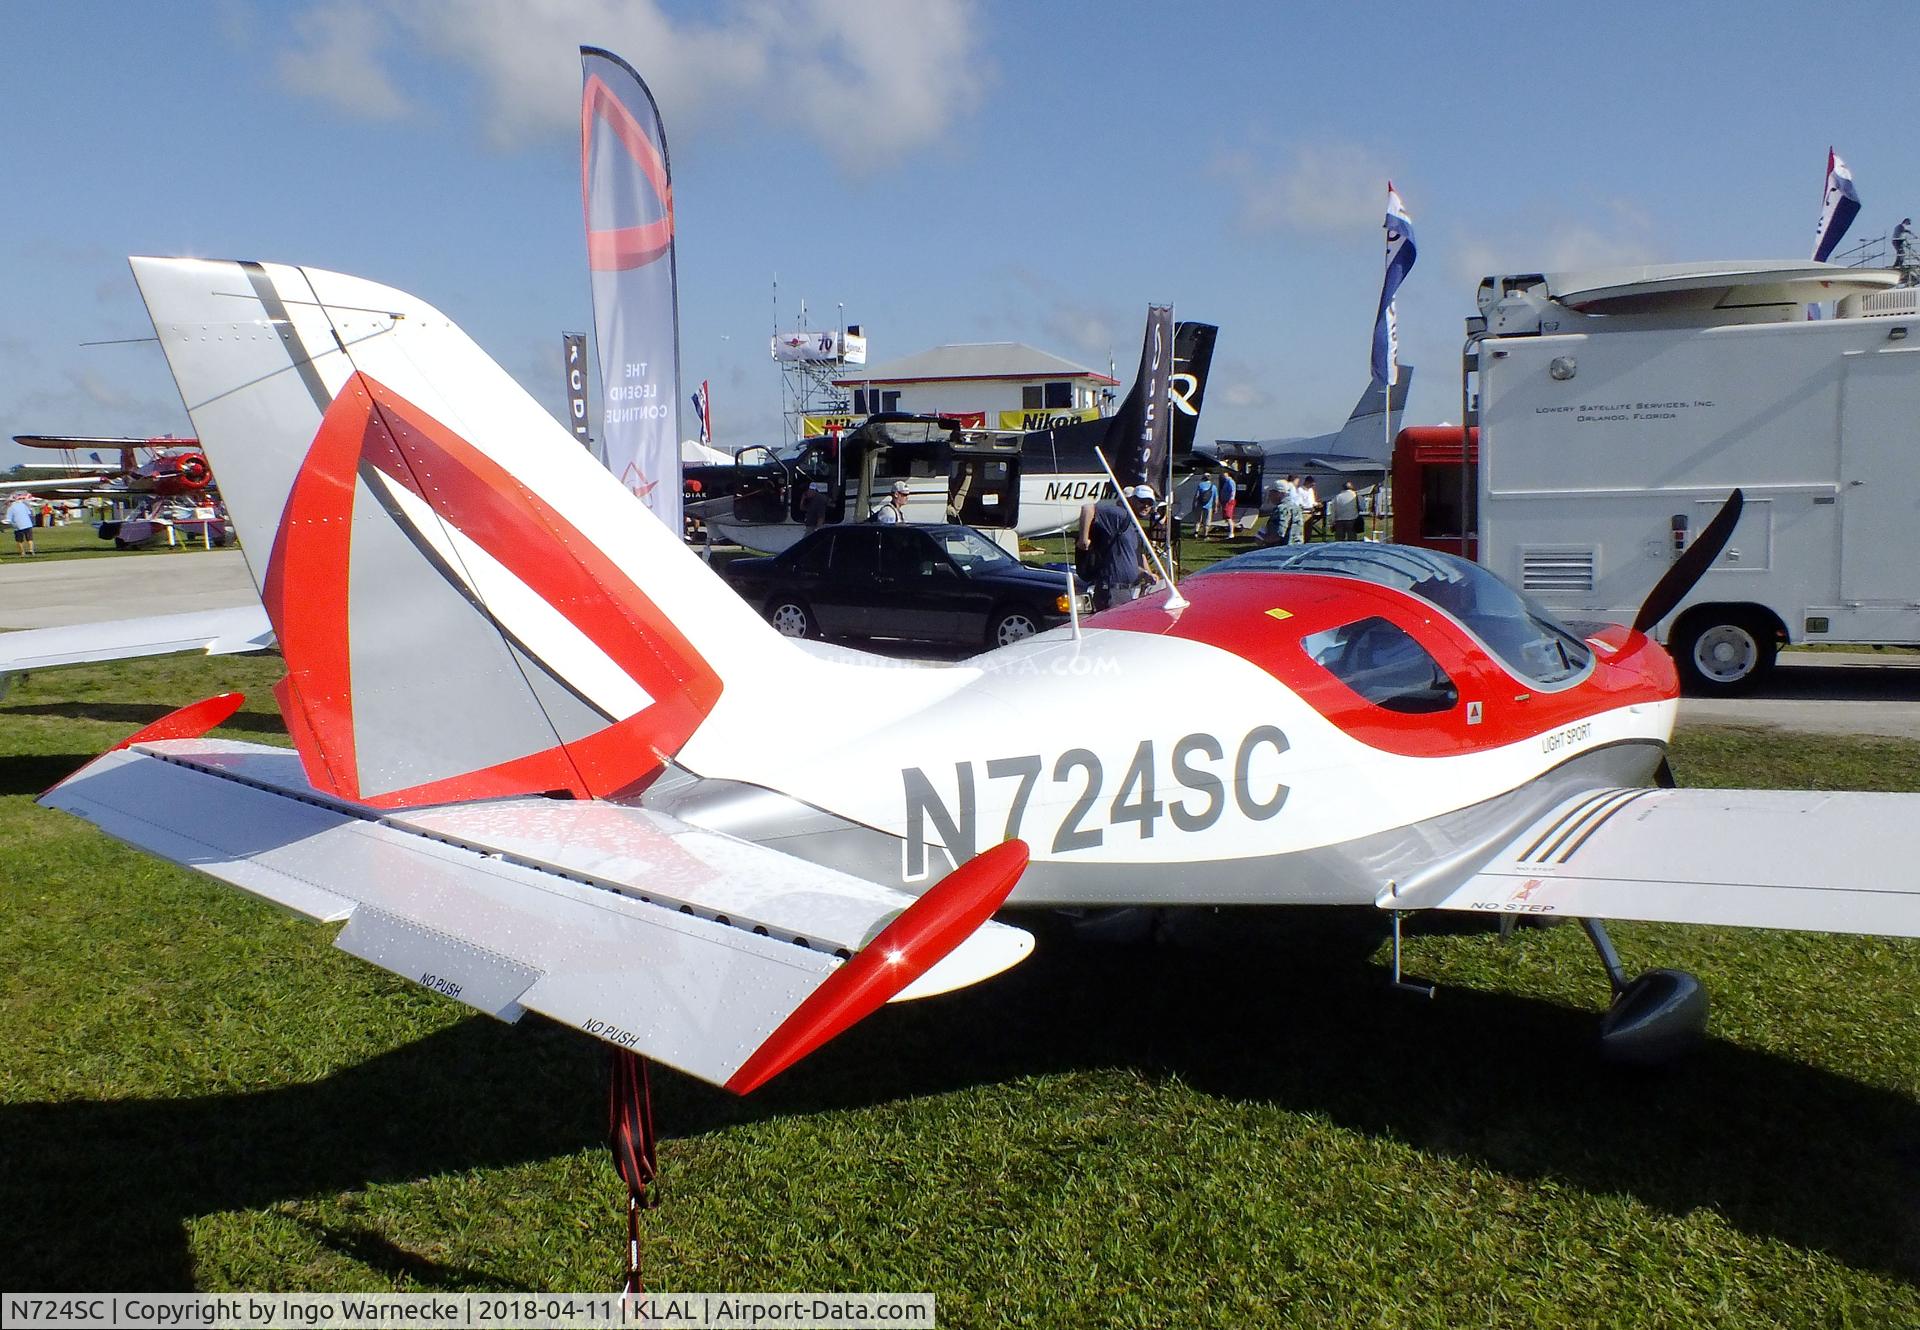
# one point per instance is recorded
(1400, 256)
(1146, 455)
(703, 412)
(573, 346)
(1839, 204)
(626, 191)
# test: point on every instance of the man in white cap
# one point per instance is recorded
(1114, 555)
(894, 511)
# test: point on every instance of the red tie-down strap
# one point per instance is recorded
(635, 1148)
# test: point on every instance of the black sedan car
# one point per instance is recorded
(925, 583)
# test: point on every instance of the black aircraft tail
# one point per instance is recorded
(1070, 448)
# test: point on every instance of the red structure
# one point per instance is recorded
(1426, 488)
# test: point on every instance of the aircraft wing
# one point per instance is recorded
(216, 632)
(1823, 861)
(54, 484)
(681, 944)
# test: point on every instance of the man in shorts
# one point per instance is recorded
(20, 518)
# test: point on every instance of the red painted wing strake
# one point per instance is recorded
(906, 949)
(189, 722)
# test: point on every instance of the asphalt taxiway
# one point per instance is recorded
(53, 593)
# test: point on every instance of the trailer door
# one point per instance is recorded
(1880, 477)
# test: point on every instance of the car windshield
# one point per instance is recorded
(1522, 633)
(969, 548)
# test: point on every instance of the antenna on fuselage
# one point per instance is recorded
(1175, 601)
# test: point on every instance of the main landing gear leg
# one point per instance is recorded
(1407, 983)
(1652, 1019)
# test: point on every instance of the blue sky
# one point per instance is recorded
(947, 171)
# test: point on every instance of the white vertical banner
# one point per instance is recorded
(627, 194)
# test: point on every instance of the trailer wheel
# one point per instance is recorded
(1722, 652)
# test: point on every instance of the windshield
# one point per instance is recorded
(1523, 634)
(969, 548)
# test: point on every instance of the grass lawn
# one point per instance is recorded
(78, 540)
(1240, 1127)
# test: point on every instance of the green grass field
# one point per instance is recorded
(1240, 1127)
(78, 540)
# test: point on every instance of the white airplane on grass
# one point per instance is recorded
(547, 761)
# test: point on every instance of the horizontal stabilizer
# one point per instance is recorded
(1803, 859)
(678, 943)
(216, 632)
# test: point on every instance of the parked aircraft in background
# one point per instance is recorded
(1361, 450)
(1059, 470)
(642, 841)
(165, 467)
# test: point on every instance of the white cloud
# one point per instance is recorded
(1035, 307)
(1246, 396)
(337, 60)
(869, 80)
(1613, 233)
(1321, 189)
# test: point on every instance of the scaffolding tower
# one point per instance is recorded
(810, 359)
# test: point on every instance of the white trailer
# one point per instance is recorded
(1617, 410)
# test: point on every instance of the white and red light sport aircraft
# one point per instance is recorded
(545, 758)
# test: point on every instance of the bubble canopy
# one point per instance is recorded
(1521, 633)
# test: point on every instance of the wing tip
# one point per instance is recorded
(927, 930)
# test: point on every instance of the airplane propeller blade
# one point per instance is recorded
(1690, 566)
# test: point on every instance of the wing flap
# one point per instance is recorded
(475, 924)
(649, 855)
(1797, 859)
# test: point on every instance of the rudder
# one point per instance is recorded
(469, 606)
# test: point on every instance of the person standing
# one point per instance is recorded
(1343, 510)
(1115, 553)
(1204, 494)
(813, 505)
(1308, 500)
(20, 518)
(1229, 494)
(894, 511)
(1293, 520)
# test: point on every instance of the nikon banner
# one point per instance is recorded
(1027, 422)
(818, 427)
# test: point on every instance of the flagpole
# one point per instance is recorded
(1386, 430)
(1166, 407)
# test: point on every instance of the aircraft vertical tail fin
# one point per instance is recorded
(469, 605)
(1365, 434)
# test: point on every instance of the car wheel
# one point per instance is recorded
(1723, 653)
(791, 618)
(1010, 626)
